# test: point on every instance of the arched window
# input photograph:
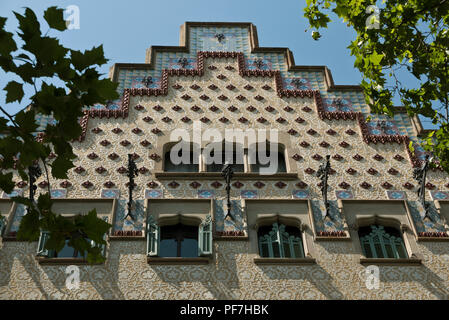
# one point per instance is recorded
(236, 157)
(191, 166)
(256, 165)
(382, 242)
(179, 240)
(280, 241)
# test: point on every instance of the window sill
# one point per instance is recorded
(63, 261)
(433, 239)
(218, 175)
(178, 261)
(294, 261)
(391, 261)
(231, 238)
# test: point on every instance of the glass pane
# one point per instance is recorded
(401, 252)
(378, 249)
(367, 248)
(182, 167)
(264, 252)
(168, 248)
(189, 248)
(68, 252)
(276, 252)
(297, 250)
(287, 253)
(389, 250)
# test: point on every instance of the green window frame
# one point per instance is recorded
(380, 244)
(204, 237)
(277, 243)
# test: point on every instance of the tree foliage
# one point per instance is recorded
(401, 36)
(39, 61)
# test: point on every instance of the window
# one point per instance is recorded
(232, 157)
(179, 240)
(280, 241)
(66, 252)
(256, 165)
(382, 242)
(169, 166)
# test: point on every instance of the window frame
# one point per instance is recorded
(278, 230)
(378, 236)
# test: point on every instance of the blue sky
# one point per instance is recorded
(127, 28)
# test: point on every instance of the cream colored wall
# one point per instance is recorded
(232, 275)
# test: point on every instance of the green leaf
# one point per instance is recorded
(29, 229)
(55, 18)
(14, 92)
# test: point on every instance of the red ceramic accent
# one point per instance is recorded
(266, 87)
(398, 157)
(259, 184)
(145, 143)
(324, 144)
(430, 186)
(147, 119)
(87, 184)
(176, 108)
(280, 120)
(337, 157)
(43, 184)
(96, 130)
(223, 119)
(297, 157)
(135, 156)
(185, 119)
(213, 108)
(100, 170)
(122, 170)
(351, 171)
(301, 185)
(344, 185)
(204, 119)
(92, 156)
(299, 120)
(232, 108)
(152, 184)
(251, 108)
(386, 185)
(270, 109)
(259, 98)
(357, 157)
(173, 184)
(237, 184)
(21, 184)
(139, 107)
(240, 97)
(156, 131)
(292, 132)
(243, 119)
(230, 87)
(372, 171)
(155, 157)
(79, 169)
(393, 171)
(109, 184)
(306, 109)
(309, 171)
(117, 130)
(229, 68)
(216, 184)
(158, 107)
(166, 119)
(311, 132)
(331, 132)
(136, 130)
(212, 67)
(177, 86)
(317, 157)
(378, 157)
(204, 97)
(248, 87)
(304, 144)
(195, 108)
(365, 185)
(195, 185)
(185, 97)
(280, 185)
(194, 86)
(408, 185)
(125, 143)
(113, 156)
(104, 143)
(222, 97)
(221, 76)
(288, 109)
(343, 144)
(350, 132)
(143, 170)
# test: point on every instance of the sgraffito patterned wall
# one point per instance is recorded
(236, 88)
(232, 275)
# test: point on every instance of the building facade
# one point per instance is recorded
(374, 240)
